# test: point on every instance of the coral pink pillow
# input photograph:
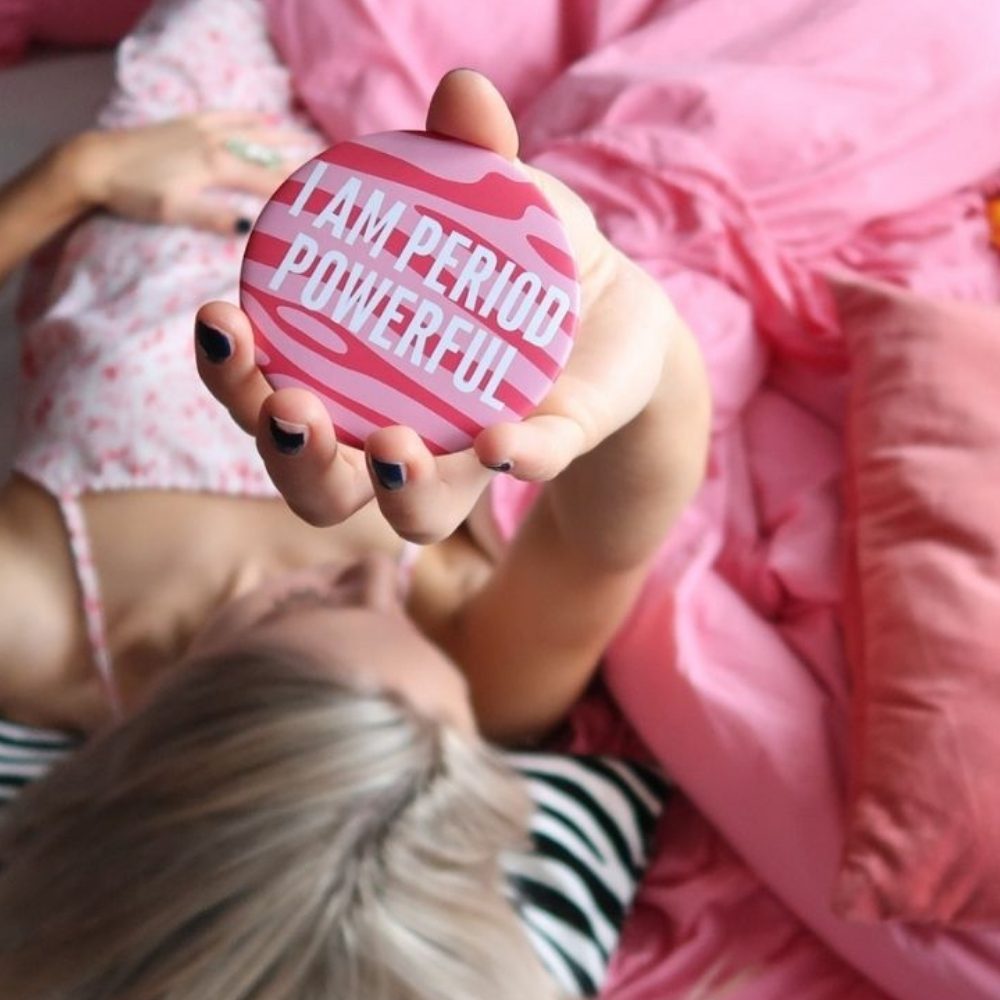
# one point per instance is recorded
(64, 22)
(922, 611)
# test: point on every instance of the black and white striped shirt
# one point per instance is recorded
(590, 836)
(26, 754)
(589, 841)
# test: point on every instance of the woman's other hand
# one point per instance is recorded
(173, 172)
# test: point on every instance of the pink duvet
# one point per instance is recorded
(739, 150)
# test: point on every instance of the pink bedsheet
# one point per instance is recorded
(739, 150)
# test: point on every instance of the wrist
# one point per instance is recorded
(46, 196)
(618, 501)
(80, 169)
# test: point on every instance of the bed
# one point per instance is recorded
(800, 661)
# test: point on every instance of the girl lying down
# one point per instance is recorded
(307, 743)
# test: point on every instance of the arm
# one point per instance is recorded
(37, 203)
(160, 173)
(620, 438)
(531, 639)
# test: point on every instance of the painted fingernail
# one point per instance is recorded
(215, 344)
(243, 226)
(288, 438)
(392, 475)
(505, 466)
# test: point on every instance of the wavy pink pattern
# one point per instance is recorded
(364, 383)
(523, 390)
(505, 241)
(497, 193)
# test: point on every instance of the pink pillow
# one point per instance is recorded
(922, 608)
(64, 22)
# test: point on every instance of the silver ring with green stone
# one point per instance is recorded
(253, 152)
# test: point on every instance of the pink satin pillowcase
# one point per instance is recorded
(64, 23)
(922, 608)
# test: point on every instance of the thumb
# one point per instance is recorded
(467, 106)
(535, 450)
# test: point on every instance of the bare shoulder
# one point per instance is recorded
(41, 629)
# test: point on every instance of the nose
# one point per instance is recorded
(379, 582)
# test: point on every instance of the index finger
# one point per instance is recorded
(227, 362)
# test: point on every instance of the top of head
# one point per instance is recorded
(410, 279)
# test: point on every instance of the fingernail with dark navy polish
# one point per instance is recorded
(391, 475)
(504, 466)
(288, 438)
(216, 345)
(243, 226)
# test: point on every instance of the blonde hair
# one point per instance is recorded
(258, 831)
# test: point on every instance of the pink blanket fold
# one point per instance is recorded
(739, 151)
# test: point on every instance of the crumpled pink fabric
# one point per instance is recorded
(740, 152)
